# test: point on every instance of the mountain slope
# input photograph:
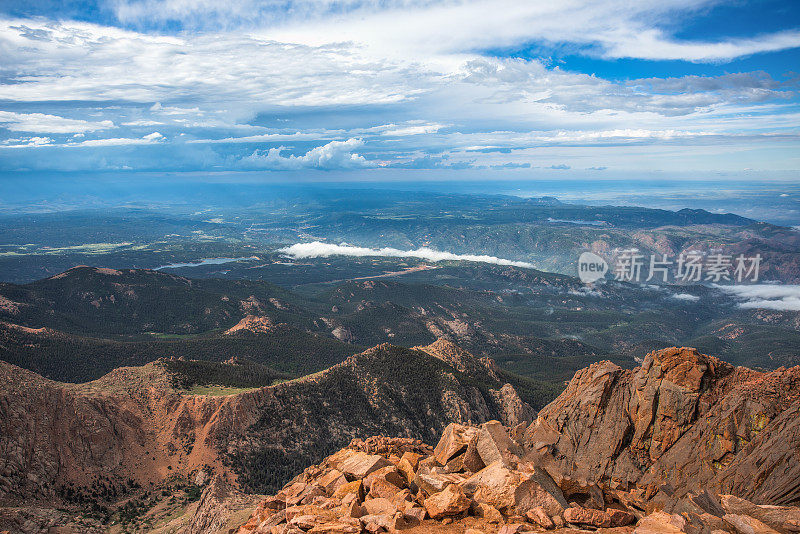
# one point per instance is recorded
(133, 427)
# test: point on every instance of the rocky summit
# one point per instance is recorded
(683, 443)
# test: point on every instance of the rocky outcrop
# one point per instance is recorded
(367, 491)
(460, 359)
(407, 488)
(681, 422)
(254, 324)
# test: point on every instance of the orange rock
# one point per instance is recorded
(454, 441)
(587, 516)
(447, 503)
(389, 474)
(332, 480)
(620, 518)
(355, 487)
(384, 489)
(358, 464)
(539, 516)
(489, 513)
(379, 506)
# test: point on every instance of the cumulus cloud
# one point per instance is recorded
(767, 296)
(334, 155)
(26, 142)
(317, 249)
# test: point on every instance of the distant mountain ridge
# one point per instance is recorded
(83, 323)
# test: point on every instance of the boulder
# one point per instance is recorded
(354, 510)
(388, 474)
(408, 464)
(587, 516)
(744, 524)
(377, 522)
(587, 494)
(620, 518)
(513, 528)
(785, 518)
(660, 523)
(455, 465)
(539, 516)
(472, 460)
(303, 522)
(487, 512)
(509, 490)
(415, 513)
(331, 481)
(337, 527)
(495, 445)
(447, 503)
(454, 441)
(355, 487)
(434, 483)
(379, 506)
(382, 488)
(358, 465)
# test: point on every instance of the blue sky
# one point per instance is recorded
(497, 89)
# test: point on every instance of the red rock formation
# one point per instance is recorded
(682, 420)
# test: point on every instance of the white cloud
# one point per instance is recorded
(408, 77)
(613, 28)
(41, 122)
(148, 139)
(686, 296)
(334, 155)
(317, 249)
(766, 296)
(142, 122)
(26, 142)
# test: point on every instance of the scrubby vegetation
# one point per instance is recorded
(217, 377)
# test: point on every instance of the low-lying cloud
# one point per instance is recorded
(317, 249)
(333, 155)
(766, 296)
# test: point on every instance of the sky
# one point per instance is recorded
(408, 89)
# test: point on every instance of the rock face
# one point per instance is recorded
(132, 424)
(681, 422)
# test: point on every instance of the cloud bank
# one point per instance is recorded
(766, 296)
(317, 249)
